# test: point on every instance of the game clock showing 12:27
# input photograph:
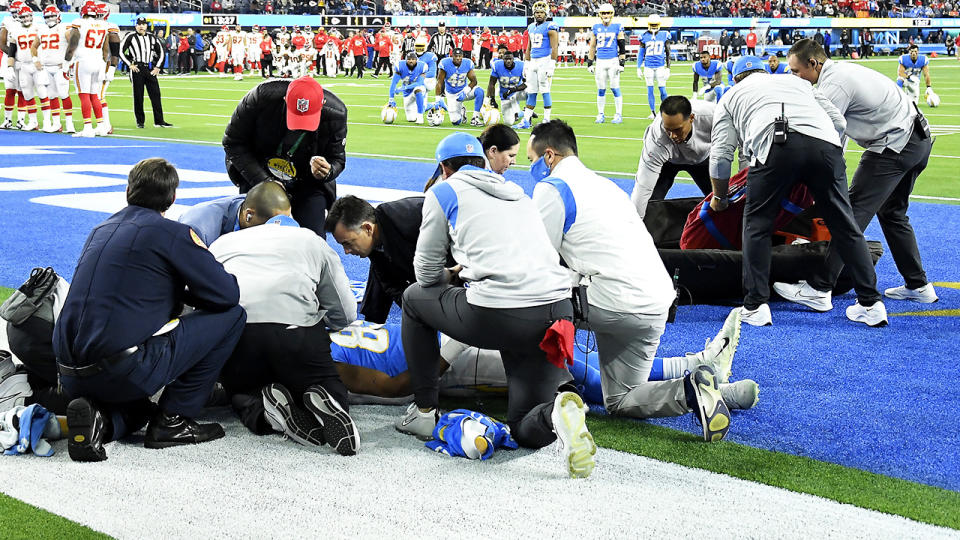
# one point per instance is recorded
(219, 20)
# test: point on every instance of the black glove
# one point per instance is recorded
(493, 103)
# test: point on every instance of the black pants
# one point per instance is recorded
(819, 165)
(184, 362)
(269, 353)
(881, 187)
(532, 382)
(751, 50)
(700, 172)
(185, 59)
(826, 49)
(309, 206)
(383, 62)
(198, 61)
(485, 56)
(358, 64)
(140, 79)
(266, 66)
(724, 51)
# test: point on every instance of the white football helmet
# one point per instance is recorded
(933, 100)
(388, 114)
(653, 22)
(491, 116)
(606, 13)
(435, 117)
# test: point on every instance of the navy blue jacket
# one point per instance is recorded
(136, 270)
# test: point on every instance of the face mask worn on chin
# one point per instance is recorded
(539, 169)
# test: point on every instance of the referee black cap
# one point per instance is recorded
(141, 20)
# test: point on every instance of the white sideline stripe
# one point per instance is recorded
(226, 486)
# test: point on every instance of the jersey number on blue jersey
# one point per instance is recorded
(457, 80)
(375, 340)
(536, 40)
(606, 39)
(654, 47)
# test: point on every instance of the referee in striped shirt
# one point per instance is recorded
(144, 53)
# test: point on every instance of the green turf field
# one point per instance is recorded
(200, 107)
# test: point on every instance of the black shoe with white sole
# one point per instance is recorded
(338, 428)
(286, 417)
(86, 426)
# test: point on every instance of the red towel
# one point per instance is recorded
(558, 343)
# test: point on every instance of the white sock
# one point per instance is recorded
(674, 368)
(106, 116)
(46, 117)
(546, 115)
(618, 100)
(32, 117)
(601, 103)
(527, 114)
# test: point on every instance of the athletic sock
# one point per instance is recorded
(618, 101)
(85, 108)
(546, 115)
(663, 93)
(106, 113)
(66, 104)
(527, 114)
(601, 103)
(652, 100)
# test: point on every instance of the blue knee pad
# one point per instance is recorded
(531, 100)
(663, 93)
(602, 92)
(652, 100)
(718, 91)
(477, 99)
(547, 100)
(616, 92)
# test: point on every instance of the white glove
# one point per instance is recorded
(667, 76)
(619, 68)
(929, 91)
(41, 77)
(548, 69)
(914, 79)
(592, 69)
(110, 71)
(8, 76)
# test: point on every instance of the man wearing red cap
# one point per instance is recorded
(292, 132)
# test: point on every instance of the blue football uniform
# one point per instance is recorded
(914, 67)
(430, 59)
(539, 35)
(407, 78)
(455, 76)
(730, 72)
(607, 40)
(653, 49)
(507, 78)
(781, 69)
(706, 73)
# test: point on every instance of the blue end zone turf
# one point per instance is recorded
(882, 400)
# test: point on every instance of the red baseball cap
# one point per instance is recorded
(304, 104)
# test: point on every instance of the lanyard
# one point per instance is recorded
(293, 148)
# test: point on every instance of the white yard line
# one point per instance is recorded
(251, 487)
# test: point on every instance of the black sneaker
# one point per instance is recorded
(338, 428)
(140, 126)
(166, 430)
(287, 418)
(163, 125)
(86, 427)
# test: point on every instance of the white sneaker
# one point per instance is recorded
(757, 317)
(418, 424)
(14, 390)
(32, 126)
(103, 129)
(805, 295)
(719, 351)
(743, 394)
(924, 295)
(50, 128)
(574, 441)
(86, 132)
(7, 124)
(68, 126)
(875, 315)
(419, 119)
(600, 119)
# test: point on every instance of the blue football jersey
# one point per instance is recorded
(405, 76)
(539, 35)
(706, 72)
(607, 40)
(371, 346)
(911, 67)
(781, 69)
(430, 59)
(654, 48)
(456, 76)
(508, 78)
(730, 72)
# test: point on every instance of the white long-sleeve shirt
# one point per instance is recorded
(746, 114)
(596, 229)
(287, 275)
(879, 115)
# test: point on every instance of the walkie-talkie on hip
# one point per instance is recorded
(780, 127)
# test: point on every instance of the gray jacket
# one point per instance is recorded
(494, 231)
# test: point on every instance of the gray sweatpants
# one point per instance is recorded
(532, 381)
(626, 346)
